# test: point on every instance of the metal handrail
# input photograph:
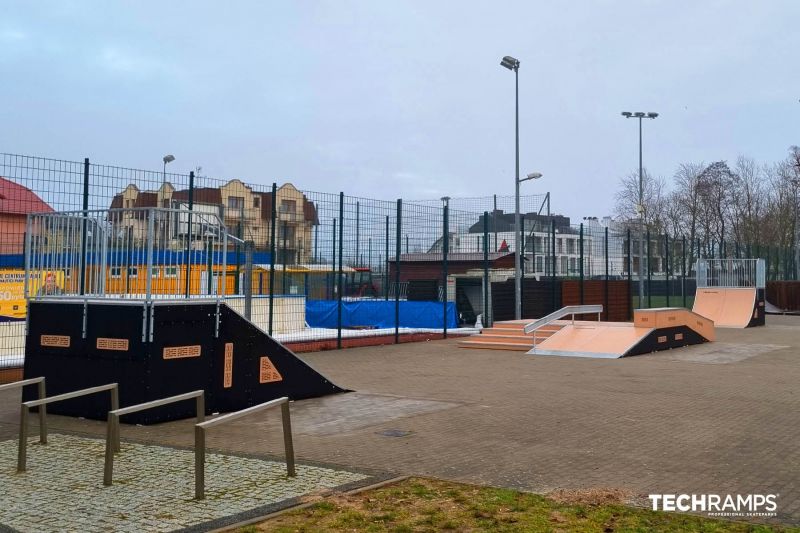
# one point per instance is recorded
(22, 451)
(113, 428)
(561, 313)
(42, 394)
(200, 440)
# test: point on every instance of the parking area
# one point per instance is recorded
(715, 418)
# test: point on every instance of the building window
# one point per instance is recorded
(256, 201)
(564, 265)
(572, 264)
(154, 272)
(539, 263)
(288, 206)
(116, 272)
(170, 272)
(133, 272)
(571, 246)
(235, 202)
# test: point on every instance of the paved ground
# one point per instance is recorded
(718, 418)
(153, 487)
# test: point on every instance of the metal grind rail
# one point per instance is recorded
(22, 453)
(113, 427)
(200, 439)
(42, 394)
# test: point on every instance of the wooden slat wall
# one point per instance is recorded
(594, 293)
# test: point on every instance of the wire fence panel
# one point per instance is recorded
(324, 270)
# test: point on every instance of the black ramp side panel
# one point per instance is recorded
(666, 339)
(261, 367)
(758, 318)
(240, 367)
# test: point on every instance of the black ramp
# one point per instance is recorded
(252, 367)
(158, 350)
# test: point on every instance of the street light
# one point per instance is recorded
(169, 158)
(512, 63)
(640, 207)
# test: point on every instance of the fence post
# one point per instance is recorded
(248, 279)
(335, 283)
(386, 265)
(398, 249)
(553, 270)
(84, 235)
(580, 267)
(188, 261)
(668, 265)
(521, 253)
(605, 246)
(445, 250)
(486, 321)
(339, 275)
(649, 271)
(630, 276)
(683, 269)
(357, 260)
(272, 233)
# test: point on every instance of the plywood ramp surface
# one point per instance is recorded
(727, 308)
(593, 339)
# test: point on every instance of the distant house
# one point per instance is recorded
(245, 212)
(16, 202)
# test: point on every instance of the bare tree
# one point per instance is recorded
(653, 191)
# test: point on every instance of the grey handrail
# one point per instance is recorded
(200, 440)
(42, 409)
(112, 428)
(22, 450)
(561, 313)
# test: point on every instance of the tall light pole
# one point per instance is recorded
(640, 207)
(169, 158)
(513, 64)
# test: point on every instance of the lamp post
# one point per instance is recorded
(512, 63)
(518, 236)
(169, 158)
(640, 207)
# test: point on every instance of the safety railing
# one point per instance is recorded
(570, 310)
(22, 451)
(135, 253)
(113, 426)
(200, 440)
(731, 273)
(42, 394)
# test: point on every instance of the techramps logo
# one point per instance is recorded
(718, 505)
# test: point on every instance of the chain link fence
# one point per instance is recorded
(328, 270)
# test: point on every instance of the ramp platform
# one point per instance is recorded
(652, 330)
(731, 307)
(158, 349)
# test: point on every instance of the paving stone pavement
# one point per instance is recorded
(718, 418)
(153, 490)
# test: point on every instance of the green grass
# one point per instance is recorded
(417, 505)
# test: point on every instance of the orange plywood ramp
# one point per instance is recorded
(726, 307)
(672, 317)
(608, 340)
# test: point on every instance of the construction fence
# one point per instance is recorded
(327, 270)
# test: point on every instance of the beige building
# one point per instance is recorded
(246, 213)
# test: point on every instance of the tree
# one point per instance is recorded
(627, 200)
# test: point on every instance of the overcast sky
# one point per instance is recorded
(402, 99)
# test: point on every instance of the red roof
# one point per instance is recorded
(18, 200)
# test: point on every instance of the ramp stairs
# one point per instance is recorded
(521, 335)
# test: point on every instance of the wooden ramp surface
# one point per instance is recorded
(608, 340)
(728, 308)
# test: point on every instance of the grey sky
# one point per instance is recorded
(402, 99)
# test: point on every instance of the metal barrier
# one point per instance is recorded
(200, 440)
(42, 409)
(113, 428)
(22, 452)
(731, 273)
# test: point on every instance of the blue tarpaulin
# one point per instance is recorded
(379, 314)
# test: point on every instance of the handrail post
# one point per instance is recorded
(200, 407)
(287, 439)
(199, 462)
(22, 448)
(114, 406)
(111, 443)
(42, 414)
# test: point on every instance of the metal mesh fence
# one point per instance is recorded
(327, 270)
